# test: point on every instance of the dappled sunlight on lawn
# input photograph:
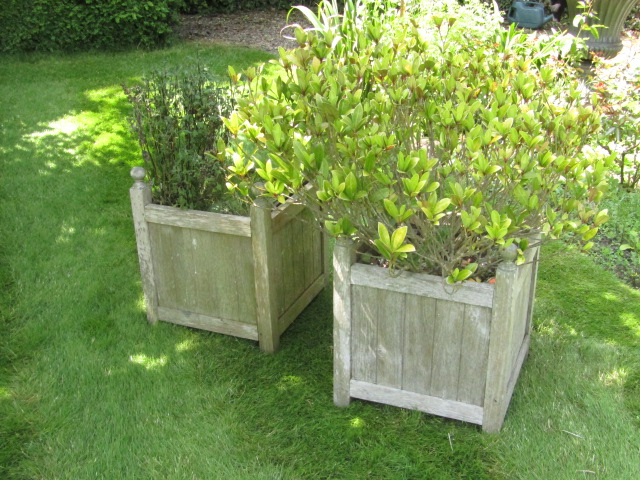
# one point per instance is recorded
(96, 135)
(186, 345)
(616, 377)
(632, 321)
(289, 382)
(148, 362)
(4, 393)
(66, 233)
(357, 422)
(585, 300)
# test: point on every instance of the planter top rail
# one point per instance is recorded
(479, 294)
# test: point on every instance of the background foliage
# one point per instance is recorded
(71, 25)
(433, 134)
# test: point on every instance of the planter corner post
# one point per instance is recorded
(140, 194)
(263, 261)
(343, 258)
(497, 395)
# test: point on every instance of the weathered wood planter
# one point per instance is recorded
(411, 341)
(244, 276)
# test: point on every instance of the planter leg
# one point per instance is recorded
(140, 194)
(343, 258)
(263, 258)
(496, 399)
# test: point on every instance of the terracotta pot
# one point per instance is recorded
(612, 14)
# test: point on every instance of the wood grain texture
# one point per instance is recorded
(205, 322)
(474, 355)
(265, 283)
(390, 338)
(419, 338)
(140, 196)
(447, 349)
(300, 304)
(499, 360)
(343, 258)
(473, 293)
(200, 266)
(197, 220)
(284, 214)
(364, 333)
(165, 258)
(415, 401)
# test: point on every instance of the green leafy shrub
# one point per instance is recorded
(618, 246)
(633, 20)
(620, 136)
(71, 25)
(178, 120)
(436, 137)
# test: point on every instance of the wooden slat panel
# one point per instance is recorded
(205, 251)
(447, 348)
(204, 322)
(165, 259)
(284, 214)
(473, 293)
(520, 310)
(419, 330)
(208, 221)
(513, 379)
(245, 283)
(307, 248)
(318, 249)
(229, 277)
(390, 344)
(416, 401)
(364, 333)
(210, 289)
(475, 351)
(298, 258)
(300, 304)
(279, 255)
(185, 270)
(204, 272)
(287, 244)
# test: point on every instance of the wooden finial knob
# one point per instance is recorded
(138, 174)
(510, 254)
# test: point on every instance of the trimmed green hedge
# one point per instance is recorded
(71, 25)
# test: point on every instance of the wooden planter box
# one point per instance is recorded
(244, 276)
(414, 342)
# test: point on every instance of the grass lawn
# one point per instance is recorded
(89, 390)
